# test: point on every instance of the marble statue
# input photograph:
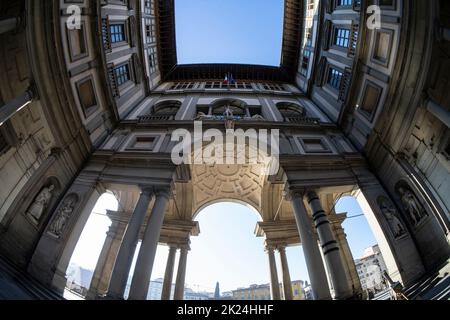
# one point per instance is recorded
(40, 203)
(390, 213)
(62, 216)
(412, 205)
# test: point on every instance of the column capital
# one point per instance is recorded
(172, 245)
(147, 189)
(162, 192)
(291, 194)
(281, 248)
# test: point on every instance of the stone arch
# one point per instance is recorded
(167, 109)
(230, 200)
(239, 107)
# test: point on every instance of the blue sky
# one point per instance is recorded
(229, 31)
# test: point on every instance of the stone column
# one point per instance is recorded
(274, 283)
(102, 275)
(346, 255)
(316, 270)
(168, 276)
(330, 248)
(124, 260)
(57, 244)
(287, 283)
(146, 258)
(181, 274)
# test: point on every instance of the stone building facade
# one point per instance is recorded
(93, 108)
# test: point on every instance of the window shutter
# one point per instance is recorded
(133, 31)
(113, 80)
(137, 66)
(320, 74)
(329, 6)
(106, 34)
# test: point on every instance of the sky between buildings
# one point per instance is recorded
(229, 31)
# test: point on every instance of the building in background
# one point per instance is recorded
(262, 292)
(91, 110)
(371, 267)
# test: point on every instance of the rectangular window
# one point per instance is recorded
(341, 37)
(117, 32)
(344, 3)
(335, 78)
(122, 74)
(152, 60)
(305, 63)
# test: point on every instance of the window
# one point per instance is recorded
(382, 46)
(152, 60)
(222, 85)
(290, 111)
(150, 28)
(149, 7)
(166, 110)
(117, 32)
(273, 87)
(314, 145)
(341, 37)
(305, 63)
(77, 43)
(370, 100)
(144, 143)
(86, 94)
(237, 111)
(344, 3)
(182, 86)
(122, 74)
(335, 78)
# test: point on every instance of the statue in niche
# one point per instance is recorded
(412, 206)
(228, 114)
(390, 213)
(40, 203)
(62, 216)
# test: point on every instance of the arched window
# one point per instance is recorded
(166, 110)
(236, 107)
(291, 111)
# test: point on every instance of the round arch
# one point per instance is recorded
(229, 200)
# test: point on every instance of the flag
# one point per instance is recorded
(226, 79)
